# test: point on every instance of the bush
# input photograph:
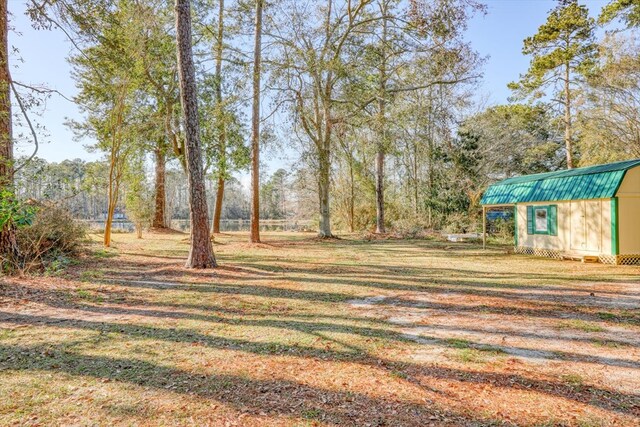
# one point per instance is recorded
(413, 227)
(462, 223)
(47, 243)
(504, 231)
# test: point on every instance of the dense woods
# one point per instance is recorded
(374, 97)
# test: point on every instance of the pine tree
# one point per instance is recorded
(255, 128)
(563, 51)
(201, 251)
(626, 10)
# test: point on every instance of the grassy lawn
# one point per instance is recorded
(299, 332)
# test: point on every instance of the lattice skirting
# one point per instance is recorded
(631, 259)
(546, 253)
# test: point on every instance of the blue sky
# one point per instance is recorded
(498, 35)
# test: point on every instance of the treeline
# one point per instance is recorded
(376, 98)
(78, 187)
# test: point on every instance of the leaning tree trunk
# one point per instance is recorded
(201, 252)
(222, 161)
(255, 129)
(159, 217)
(8, 245)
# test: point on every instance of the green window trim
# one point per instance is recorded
(515, 221)
(615, 229)
(551, 213)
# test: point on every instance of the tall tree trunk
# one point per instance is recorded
(159, 218)
(567, 117)
(8, 244)
(352, 195)
(380, 228)
(414, 164)
(112, 198)
(323, 191)
(201, 252)
(382, 126)
(218, 207)
(222, 161)
(255, 128)
(6, 131)
(115, 163)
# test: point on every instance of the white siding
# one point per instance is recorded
(584, 228)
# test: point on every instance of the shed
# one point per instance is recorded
(588, 213)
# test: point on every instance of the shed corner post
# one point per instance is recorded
(615, 229)
(484, 227)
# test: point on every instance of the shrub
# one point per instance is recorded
(47, 243)
(13, 215)
(504, 231)
(460, 222)
(412, 227)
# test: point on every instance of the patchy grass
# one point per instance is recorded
(470, 355)
(574, 380)
(581, 325)
(302, 332)
(104, 253)
(458, 343)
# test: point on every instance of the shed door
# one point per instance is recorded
(586, 225)
(578, 226)
(593, 225)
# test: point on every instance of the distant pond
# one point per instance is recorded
(243, 225)
(225, 225)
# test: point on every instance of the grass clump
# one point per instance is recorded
(311, 414)
(103, 253)
(574, 380)
(581, 325)
(458, 343)
(470, 355)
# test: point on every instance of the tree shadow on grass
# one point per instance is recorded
(511, 304)
(286, 397)
(270, 397)
(304, 323)
(307, 327)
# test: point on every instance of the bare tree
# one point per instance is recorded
(201, 252)
(311, 69)
(117, 157)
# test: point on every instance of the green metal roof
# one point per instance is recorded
(593, 182)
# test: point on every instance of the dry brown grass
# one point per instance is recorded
(299, 332)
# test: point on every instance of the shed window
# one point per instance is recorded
(542, 220)
(541, 225)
